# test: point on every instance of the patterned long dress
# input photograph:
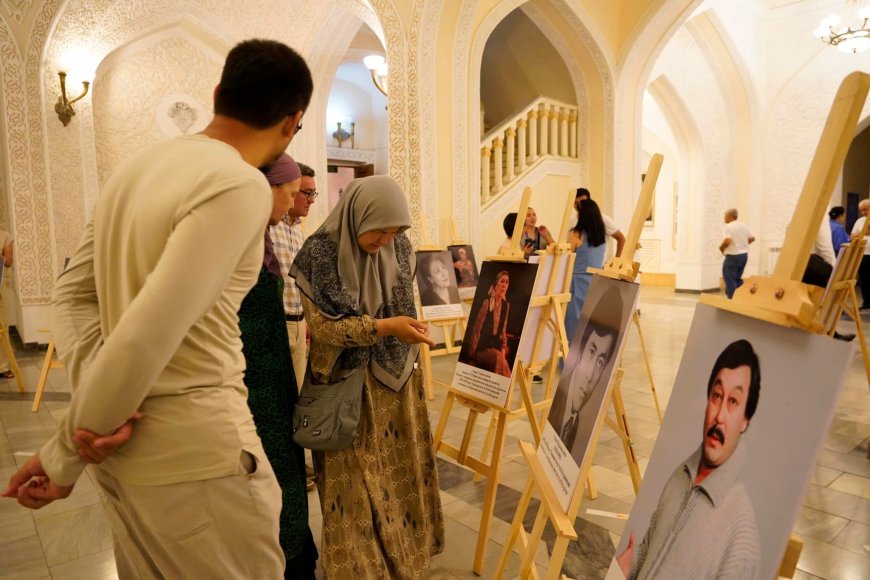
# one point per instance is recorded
(272, 394)
(380, 501)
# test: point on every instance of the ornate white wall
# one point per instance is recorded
(51, 174)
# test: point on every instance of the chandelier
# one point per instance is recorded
(853, 37)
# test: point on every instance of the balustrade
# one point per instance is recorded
(545, 128)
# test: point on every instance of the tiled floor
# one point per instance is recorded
(70, 539)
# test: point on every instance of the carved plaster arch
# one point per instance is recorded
(343, 27)
(468, 55)
(580, 93)
(18, 208)
(429, 24)
(741, 101)
(643, 50)
(690, 147)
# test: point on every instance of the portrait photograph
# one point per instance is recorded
(750, 407)
(495, 327)
(593, 357)
(436, 282)
(465, 268)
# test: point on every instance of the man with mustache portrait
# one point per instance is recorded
(704, 525)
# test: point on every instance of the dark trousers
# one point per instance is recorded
(818, 272)
(864, 280)
(732, 271)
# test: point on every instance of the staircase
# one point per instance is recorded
(544, 129)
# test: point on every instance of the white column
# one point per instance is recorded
(554, 130)
(533, 135)
(485, 154)
(544, 142)
(572, 136)
(563, 133)
(521, 145)
(510, 151)
(497, 161)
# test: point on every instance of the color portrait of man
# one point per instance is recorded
(704, 525)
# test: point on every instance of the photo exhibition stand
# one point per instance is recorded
(840, 297)
(782, 298)
(620, 268)
(452, 328)
(551, 293)
(49, 362)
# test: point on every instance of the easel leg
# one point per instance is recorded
(859, 325)
(426, 360)
(534, 539)
(554, 572)
(442, 420)
(487, 444)
(43, 376)
(789, 563)
(652, 384)
(622, 422)
(516, 528)
(491, 490)
(590, 485)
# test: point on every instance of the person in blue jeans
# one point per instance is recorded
(587, 239)
(736, 238)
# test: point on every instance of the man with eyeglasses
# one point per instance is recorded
(287, 238)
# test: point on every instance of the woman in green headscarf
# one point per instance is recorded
(271, 382)
(380, 500)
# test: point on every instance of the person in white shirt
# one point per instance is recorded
(822, 259)
(864, 268)
(735, 246)
(288, 238)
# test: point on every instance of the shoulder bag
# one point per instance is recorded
(326, 416)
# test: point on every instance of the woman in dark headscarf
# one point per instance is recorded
(271, 382)
(380, 500)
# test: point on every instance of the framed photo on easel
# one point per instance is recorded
(589, 368)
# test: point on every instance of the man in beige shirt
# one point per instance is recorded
(145, 319)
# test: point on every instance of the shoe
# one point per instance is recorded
(537, 379)
(844, 337)
(7, 375)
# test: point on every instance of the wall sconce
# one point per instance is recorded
(341, 135)
(63, 107)
(378, 67)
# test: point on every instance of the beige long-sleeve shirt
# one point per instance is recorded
(145, 314)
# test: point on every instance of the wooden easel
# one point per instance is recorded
(840, 294)
(552, 302)
(48, 363)
(452, 328)
(782, 298)
(619, 268)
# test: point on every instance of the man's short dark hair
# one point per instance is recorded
(509, 223)
(738, 354)
(306, 170)
(605, 319)
(582, 191)
(263, 82)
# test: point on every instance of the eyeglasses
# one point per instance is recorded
(311, 195)
(299, 127)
